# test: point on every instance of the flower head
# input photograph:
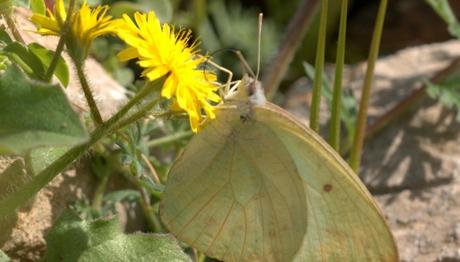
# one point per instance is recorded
(86, 24)
(163, 52)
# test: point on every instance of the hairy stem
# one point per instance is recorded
(295, 33)
(95, 114)
(356, 151)
(319, 68)
(334, 128)
(60, 47)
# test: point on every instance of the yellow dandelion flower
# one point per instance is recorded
(163, 52)
(86, 25)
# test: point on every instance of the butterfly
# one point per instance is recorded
(257, 185)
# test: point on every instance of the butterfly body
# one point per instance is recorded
(256, 185)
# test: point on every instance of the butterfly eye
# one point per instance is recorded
(252, 88)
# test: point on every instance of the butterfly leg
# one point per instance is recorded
(229, 79)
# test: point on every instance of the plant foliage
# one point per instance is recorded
(73, 239)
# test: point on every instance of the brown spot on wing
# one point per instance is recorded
(327, 188)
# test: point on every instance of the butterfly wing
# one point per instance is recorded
(344, 222)
(235, 193)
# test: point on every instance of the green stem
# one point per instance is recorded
(169, 139)
(138, 115)
(145, 203)
(95, 114)
(12, 26)
(55, 59)
(99, 193)
(152, 221)
(147, 208)
(295, 33)
(319, 68)
(334, 131)
(10, 203)
(60, 47)
(356, 151)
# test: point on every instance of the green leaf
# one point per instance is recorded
(136, 247)
(4, 257)
(21, 3)
(35, 115)
(73, 239)
(121, 195)
(34, 59)
(12, 178)
(38, 159)
(45, 56)
(4, 37)
(30, 63)
(443, 9)
(163, 8)
(38, 6)
(71, 236)
(7, 223)
(447, 92)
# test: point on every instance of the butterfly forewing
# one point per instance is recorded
(236, 194)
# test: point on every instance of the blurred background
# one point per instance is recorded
(231, 24)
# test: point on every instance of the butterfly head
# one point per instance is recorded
(247, 91)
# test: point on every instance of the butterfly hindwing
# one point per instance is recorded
(344, 222)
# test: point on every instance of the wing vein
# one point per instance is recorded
(245, 232)
(200, 210)
(221, 227)
(275, 217)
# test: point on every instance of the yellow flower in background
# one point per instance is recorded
(86, 25)
(163, 52)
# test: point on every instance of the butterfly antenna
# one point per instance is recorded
(245, 63)
(259, 44)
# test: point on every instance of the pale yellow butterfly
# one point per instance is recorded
(257, 185)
